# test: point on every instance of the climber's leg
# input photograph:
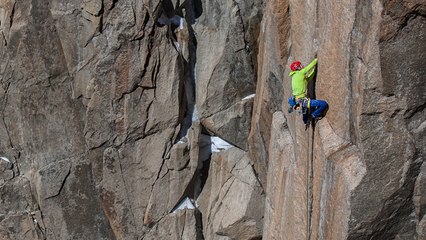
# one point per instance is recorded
(319, 107)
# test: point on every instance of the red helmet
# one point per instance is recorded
(295, 65)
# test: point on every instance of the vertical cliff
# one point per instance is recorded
(168, 120)
(357, 174)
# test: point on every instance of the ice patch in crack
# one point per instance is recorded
(210, 144)
(186, 203)
(181, 24)
(218, 144)
(249, 97)
(5, 159)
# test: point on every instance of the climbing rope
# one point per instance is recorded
(309, 181)
(308, 230)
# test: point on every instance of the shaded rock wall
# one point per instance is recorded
(168, 120)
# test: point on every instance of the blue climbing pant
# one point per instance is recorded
(317, 108)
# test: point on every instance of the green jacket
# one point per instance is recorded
(299, 79)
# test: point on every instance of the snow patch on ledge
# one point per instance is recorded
(249, 96)
(210, 144)
(183, 140)
(218, 144)
(186, 203)
(181, 24)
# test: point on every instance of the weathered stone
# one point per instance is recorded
(114, 198)
(419, 195)
(16, 222)
(16, 197)
(101, 104)
(371, 140)
(176, 183)
(185, 174)
(6, 171)
(20, 226)
(230, 199)
(75, 212)
(274, 34)
(422, 229)
(51, 178)
(232, 124)
(181, 225)
(224, 68)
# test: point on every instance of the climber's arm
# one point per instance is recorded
(311, 75)
(309, 67)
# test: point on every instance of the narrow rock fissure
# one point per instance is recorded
(130, 91)
(411, 15)
(202, 179)
(246, 46)
(256, 174)
(310, 181)
(411, 112)
(34, 194)
(190, 114)
(62, 185)
(5, 100)
(12, 15)
(195, 185)
(41, 231)
(155, 74)
(113, 4)
(224, 195)
(199, 225)
(353, 57)
(101, 145)
(147, 59)
(18, 171)
(4, 38)
(310, 129)
(101, 19)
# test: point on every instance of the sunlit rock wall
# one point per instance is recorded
(357, 174)
(168, 120)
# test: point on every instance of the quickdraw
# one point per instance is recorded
(305, 104)
(301, 105)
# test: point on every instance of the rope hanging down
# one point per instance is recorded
(309, 181)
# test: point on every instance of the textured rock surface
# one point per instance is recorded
(368, 150)
(231, 206)
(168, 120)
(274, 34)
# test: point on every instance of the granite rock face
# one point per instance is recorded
(101, 104)
(168, 120)
(357, 174)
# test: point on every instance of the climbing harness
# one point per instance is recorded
(301, 105)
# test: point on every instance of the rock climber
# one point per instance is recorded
(316, 108)
(300, 76)
(310, 108)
